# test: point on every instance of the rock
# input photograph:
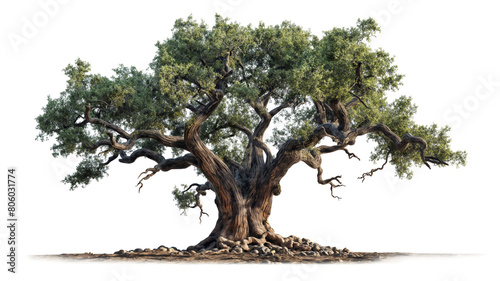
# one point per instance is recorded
(277, 248)
(345, 250)
(266, 261)
(306, 248)
(237, 250)
(271, 253)
(264, 250)
(138, 250)
(302, 254)
(284, 250)
(316, 248)
(120, 252)
(147, 250)
(192, 252)
(255, 251)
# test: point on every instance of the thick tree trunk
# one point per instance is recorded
(245, 217)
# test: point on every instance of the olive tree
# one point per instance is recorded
(209, 100)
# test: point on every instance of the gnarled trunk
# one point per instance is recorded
(245, 223)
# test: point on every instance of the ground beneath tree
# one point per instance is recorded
(166, 254)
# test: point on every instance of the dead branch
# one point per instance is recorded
(351, 155)
(370, 173)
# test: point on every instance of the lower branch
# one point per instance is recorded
(201, 190)
(143, 152)
(314, 161)
(167, 165)
(329, 181)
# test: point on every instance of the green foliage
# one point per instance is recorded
(184, 199)
(282, 62)
(399, 117)
(89, 169)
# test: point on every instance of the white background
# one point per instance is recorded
(447, 50)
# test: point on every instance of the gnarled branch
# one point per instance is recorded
(181, 162)
(370, 173)
(143, 152)
(201, 190)
(170, 141)
(401, 143)
(313, 160)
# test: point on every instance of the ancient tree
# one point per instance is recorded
(211, 96)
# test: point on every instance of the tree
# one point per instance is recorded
(211, 96)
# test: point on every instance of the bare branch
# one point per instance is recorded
(313, 160)
(200, 191)
(370, 173)
(153, 172)
(359, 98)
(351, 155)
(328, 181)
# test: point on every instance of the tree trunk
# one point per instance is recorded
(244, 222)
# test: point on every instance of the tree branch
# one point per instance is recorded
(105, 124)
(340, 113)
(359, 98)
(370, 173)
(169, 141)
(142, 152)
(313, 160)
(400, 143)
(201, 190)
(181, 162)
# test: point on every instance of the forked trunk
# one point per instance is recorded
(244, 222)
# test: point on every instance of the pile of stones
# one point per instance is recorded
(266, 249)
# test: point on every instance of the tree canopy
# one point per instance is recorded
(281, 72)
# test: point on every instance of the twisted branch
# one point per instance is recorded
(401, 143)
(167, 165)
(370, 173)
(200, 191)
